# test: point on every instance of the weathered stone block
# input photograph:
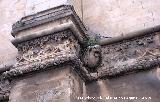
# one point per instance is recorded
(59, 85)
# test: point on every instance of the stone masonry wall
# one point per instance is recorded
(106, 17)
(64, 85)
(10, 11)
(58, 85)
(142, 87)
(116, 17)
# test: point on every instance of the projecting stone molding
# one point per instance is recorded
(55, 40)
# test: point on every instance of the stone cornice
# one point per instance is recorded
(46, 16)
(135, 65)
(64, 14)
(49, 64)
(130, 35)
(3, 69)
(144, 63)
(36, 66)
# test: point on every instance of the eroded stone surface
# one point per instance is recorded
(59, 85)
(117, 56)
(55, 51)
(47, 47)
(143, 85)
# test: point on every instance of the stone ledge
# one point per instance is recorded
(72, 60)
(144, 63)
(48, 22)
(35, 66)
(45, 17)
(67, 26)
(5, 68)
(131, 35)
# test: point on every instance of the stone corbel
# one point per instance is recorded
(92, 58)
